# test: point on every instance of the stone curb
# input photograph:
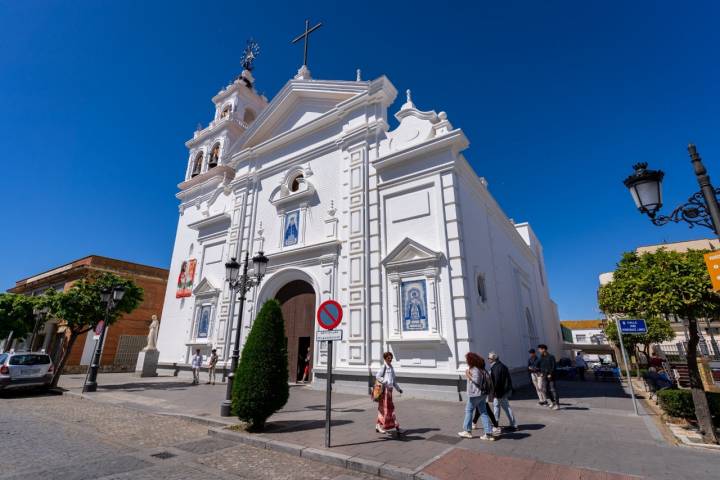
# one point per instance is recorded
(384, 470)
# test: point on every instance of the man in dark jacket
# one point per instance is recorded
(502, 390)
(547, 367)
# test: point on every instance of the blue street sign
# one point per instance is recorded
(633, 326)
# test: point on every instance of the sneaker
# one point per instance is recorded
(465, 434)
(555, 407)
(488, 438)
(496, 430)
(379, 429)
(542, 403)
(474, 426)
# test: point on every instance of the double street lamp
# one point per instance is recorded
(240, 284)
(110, 297)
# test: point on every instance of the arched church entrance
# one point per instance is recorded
(297, 299)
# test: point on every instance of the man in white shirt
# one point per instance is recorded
(196, 363)
(580, 365)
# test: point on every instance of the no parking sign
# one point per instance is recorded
(329, 314)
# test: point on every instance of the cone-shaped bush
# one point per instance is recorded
(260, 387)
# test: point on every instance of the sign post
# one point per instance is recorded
(329, 315)
(632, 327)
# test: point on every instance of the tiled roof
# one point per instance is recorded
(582, 324)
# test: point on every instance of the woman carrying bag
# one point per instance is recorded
(385, 383)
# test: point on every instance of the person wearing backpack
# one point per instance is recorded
(502, 390)
(479, 385)
(386, 418)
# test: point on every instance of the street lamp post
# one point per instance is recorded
(239, 284)
(110, 296)
(38, 313)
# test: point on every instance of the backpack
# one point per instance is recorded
(486, 383)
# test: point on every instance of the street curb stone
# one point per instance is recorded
(357, 464)
(331, 458)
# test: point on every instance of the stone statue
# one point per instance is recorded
(152, 334)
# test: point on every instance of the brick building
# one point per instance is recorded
(124, 339)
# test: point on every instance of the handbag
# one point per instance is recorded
(378, 388)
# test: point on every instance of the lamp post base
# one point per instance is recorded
(90, 387)
(225, 408)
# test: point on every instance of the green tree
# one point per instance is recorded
(16, 314)
(667, 283)
(260, 387)
(81, 308)
(659, 330)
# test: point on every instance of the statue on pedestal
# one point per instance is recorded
(148, 357)
(152, 334)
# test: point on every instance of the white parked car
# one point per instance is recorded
(25, 369)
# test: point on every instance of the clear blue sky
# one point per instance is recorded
(558, 99)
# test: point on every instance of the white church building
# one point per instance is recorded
(392, 222)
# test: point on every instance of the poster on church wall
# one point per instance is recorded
(186, 278)
(292, 227)
(414, 305)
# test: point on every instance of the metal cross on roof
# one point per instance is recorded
(306, 37)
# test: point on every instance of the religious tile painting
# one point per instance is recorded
(292, 228)
(414, 306)
(204, 321)
(186, 279)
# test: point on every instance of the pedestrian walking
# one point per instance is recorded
(479, 386)
(536, 376)
(580, 365)
(386, 418)
(491, 416)
(502, 389)
(196, 364)
(212, 363)
(547, 367)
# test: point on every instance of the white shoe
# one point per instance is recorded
(488, 438)
(465, 434)
(496, 431)
(555, 407)
(379, 429)
(474, 426)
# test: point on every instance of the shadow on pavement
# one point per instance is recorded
(139, 387)
(29, 393)
(531, 426)
(300, 425)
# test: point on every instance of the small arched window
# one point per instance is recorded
(248, 116)
(295, 184)
(214, 156)
(197, 166)
(225, 112)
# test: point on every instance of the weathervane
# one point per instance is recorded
(306, 37)
(252, 50)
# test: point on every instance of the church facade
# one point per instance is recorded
(392, 223)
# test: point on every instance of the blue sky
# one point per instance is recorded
(558, 99)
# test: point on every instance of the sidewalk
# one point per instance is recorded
(595, 429)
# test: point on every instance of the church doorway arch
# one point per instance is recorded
(297, 299)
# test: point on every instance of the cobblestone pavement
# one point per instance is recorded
(66, 437)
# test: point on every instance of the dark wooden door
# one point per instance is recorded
(297, 299)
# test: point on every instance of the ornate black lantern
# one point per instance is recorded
(646, 188)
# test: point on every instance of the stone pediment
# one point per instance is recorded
(411, 254)
(205, 289)
(299, 103)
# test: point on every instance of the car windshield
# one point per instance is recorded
(29, 359)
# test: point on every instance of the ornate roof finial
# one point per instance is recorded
(252, 50)
(409, 103)
(357, 75)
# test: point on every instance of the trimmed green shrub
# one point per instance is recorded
(679, 403)
(260, 387)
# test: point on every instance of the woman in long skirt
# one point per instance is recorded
(386, 419)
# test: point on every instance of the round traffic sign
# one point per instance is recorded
(329, 314)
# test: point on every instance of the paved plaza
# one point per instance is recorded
(63, 437)
(596, 430)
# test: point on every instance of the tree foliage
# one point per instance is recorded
(260, 386)
(16, 314)
(662, 283)
(81, 308)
